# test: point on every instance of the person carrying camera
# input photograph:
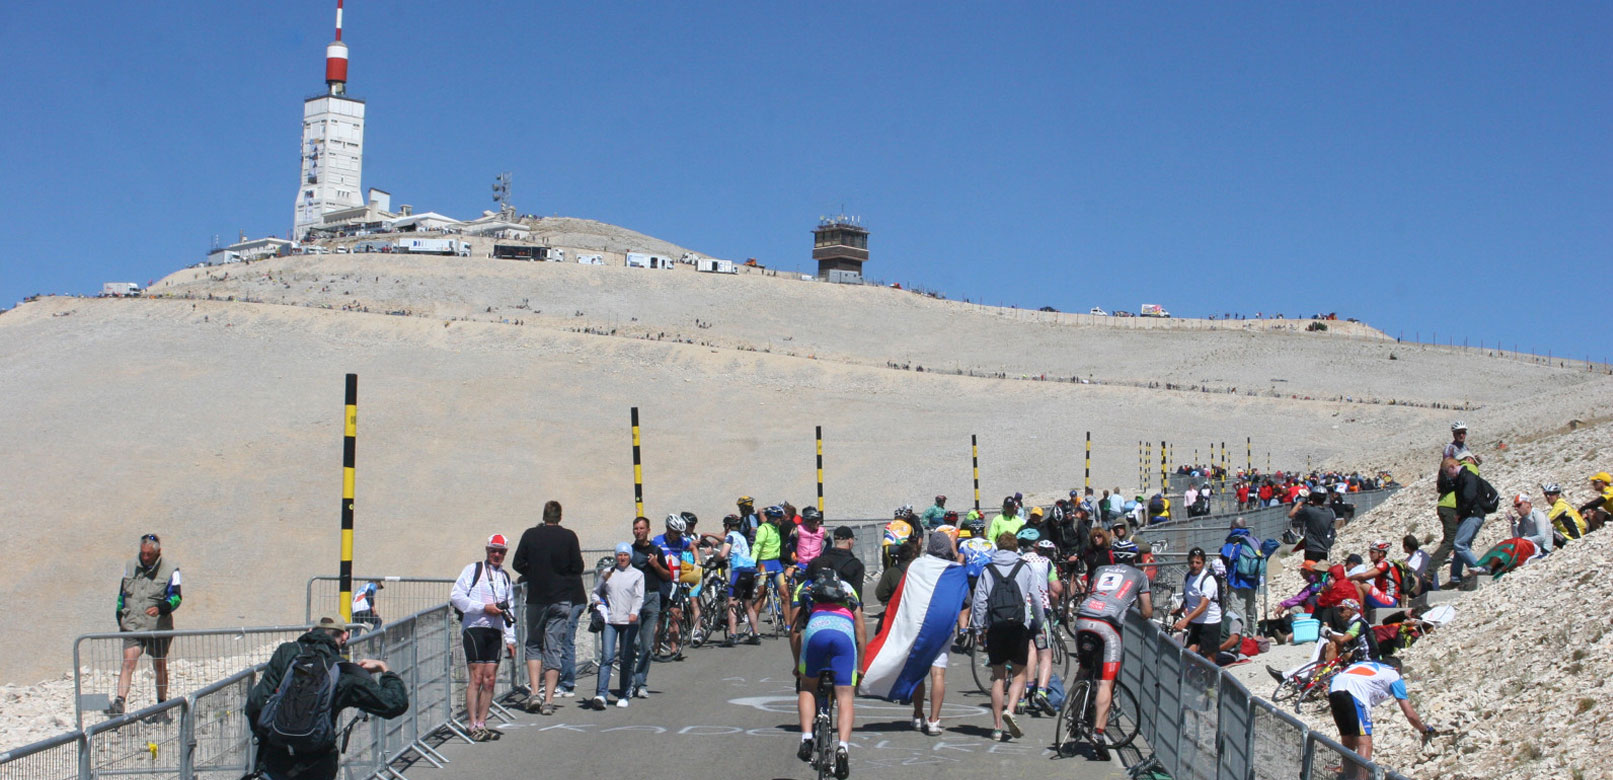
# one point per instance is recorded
(483, 592)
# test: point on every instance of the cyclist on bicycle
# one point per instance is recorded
(679, 554)
(769, 549)
(1039, 670)
(974, 553)
(741, 577)
(1114, 590)
(832, 635)
(810, 538)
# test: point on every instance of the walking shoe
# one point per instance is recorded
(1100, 745)
(918, 724)
(533, 703)
(933, 728)
(1043, 704)
(1019, 707)
(547, 709)
(116, 707)
(623, 702)
(727, 641)
(804, 752)
(597, 703)
(566, 693)
(996, 735)
(641, 692)
(755, 639)
(1013, 725)
(842, 763)
(1275, 675)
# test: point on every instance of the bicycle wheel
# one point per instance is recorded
(1286, 691)
(1061, 654)
(978, 666)
(1125, 716)
(1073, 719)
(777, 610)
(823, 735)
(661, 650)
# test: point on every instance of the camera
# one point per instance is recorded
(507, 612)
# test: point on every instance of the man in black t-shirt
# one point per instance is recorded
(1317, 523)
(647, 558)
(840, 560)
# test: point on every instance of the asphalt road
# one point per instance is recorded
(730, 712)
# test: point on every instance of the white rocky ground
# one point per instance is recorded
(1519, 680)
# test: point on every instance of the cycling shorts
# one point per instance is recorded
(772, 566)
(483, 645)
(1377, 598)
(741, 583)
(1108, 638)
(1352, 718)
(829, 642)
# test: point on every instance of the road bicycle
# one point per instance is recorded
(1310, 682)
(670, 633)
(825, 757)
(1075, 724)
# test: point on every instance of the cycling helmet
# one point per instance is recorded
(940, 499)
(976, 526)
(903, 512)
(1551, 488)
(689, 519)
(1124, 551)
(1046, 544)
(745, 501)
(1380, 546)
(774, 512)
(732, 521)
(1028, 535)
(676, 523)
(950, 518)
(811, 515)
(1458, 426)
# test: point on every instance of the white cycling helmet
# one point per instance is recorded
(676, 523)
(1458, 426)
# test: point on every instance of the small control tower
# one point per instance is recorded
(840, 245)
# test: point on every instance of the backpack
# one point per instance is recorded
(1156, 506)
(828, 589)
(1410, 584)
(297, 716)
(1489, 499)
(1005, 603)
(1250, 564)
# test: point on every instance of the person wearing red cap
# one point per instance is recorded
(483, 594)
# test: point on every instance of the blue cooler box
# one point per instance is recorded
(1305, 630)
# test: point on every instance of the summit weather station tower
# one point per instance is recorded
(332, 144)
(840, 245)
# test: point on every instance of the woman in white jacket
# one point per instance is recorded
(619, 596)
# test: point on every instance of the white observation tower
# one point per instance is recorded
(332, 144)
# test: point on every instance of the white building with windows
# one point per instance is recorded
(332, 145)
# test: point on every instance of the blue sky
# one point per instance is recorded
(1430, 167)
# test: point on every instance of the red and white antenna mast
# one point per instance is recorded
(336, 59)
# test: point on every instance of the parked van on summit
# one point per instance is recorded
(1153, 310)
(434, 246)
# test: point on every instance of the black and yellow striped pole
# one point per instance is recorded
(349, 450)
(974, 457)
(1248, 455)
(1089, 460)
(1223, 464)
(820, 469)
(638, 470)
(1164, 481)
(1148, 459)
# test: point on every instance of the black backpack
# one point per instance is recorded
(297, 717)
(1156, 506)
(1005, 603)
(1489, 499)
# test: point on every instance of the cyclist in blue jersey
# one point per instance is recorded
(832, 633)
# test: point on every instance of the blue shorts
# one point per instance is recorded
(772, 566)
(829, 643)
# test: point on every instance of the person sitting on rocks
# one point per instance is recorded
(1506, 556)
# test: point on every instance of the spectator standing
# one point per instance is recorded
(1241, 542)
(1006, 621)
(649, 560)
(356, 686)
(1317, 523)
(364, 604)
(936, 545)
(147, 597)
(841, 561)
(620, 596)
(1468, 488)
(1201, 607)
(484, 593)
(1008, 520)
(549, 558)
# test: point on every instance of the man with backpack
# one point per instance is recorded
(295, 705)
(1007, 600)
(482, 596)
(1475, 498)
(1245, 562)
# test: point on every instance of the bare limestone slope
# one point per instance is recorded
(1519, 679)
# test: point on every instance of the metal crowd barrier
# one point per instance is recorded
(398, 596)
(194, 658)
(1210, 532)
(1202, 724)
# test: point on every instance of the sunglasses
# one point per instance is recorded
(496, 550)
(151, 538)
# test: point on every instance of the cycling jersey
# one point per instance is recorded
(808, 544)
(897, 532)
(1114, 589)
(1003, 523)
(1370, 682)
(738, 551)
(1567, 520)
(1041, 570)
(674, 553)
(768, 543)
(976, 554)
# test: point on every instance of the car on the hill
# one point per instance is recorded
(1098, 311)
(1119, 313)
(1048, 308)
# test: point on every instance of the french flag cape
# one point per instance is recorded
(919, 623)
